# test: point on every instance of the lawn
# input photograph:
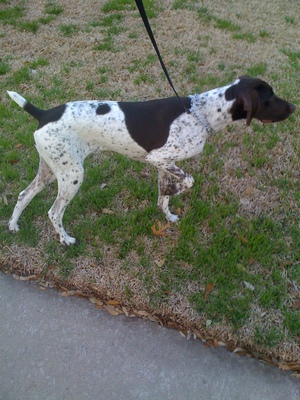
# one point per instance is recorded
(229, 272)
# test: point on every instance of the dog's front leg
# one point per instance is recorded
(164, 181)
(166, 188)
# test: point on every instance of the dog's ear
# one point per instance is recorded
(250, 99)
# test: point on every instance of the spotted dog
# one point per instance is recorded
(159, 132)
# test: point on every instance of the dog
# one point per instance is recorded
(159, 132)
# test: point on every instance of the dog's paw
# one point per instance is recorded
(13, 227)
(67, 240)
(172, 218)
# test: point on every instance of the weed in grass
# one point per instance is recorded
(294, 58)
(11, 15)
(29, 26)
(53, 8)
(68, 30)
(257, 69)
(204, 15)
(118, 5)
(249, 37)
(184, 4)
(58, 257)
(107, 44)
(40, 62)
(89, 86)
(109, 20)
(46, 20)
(267, 337)
(144, 78)
(226, 25)
(273, 296)
(19, 76)
(221, 67)
(4, 67)
(193, 56)
(264, 34)
(289, 19)
(133, 35)
(292, 322)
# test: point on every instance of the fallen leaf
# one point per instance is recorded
(249, 286)
(296, 304)
(182, 334)
(143, 313)
(208, 289)
(19, 146)
(173, 325)
(27, 278)
(13, 161)
(240, 351)
(5, 200)
(242, 239)
(178, 211)
(69, 293)
(241, 267)
(107, 211)
(160, 262)
(160, 230)
(112, 310)
(251, 261)
(94, 300)
(113, 302)
(248, 191)
(289, 366)
(125, 311)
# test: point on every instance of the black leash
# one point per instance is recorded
(142, 11)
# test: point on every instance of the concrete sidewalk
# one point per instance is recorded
(56, 348)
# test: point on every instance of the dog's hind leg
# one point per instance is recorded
(44, 177)
(68, 185)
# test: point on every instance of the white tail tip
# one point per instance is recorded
(17, 98)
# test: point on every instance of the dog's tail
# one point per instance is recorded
(37, 113)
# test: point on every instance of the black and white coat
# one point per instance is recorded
(159, 132)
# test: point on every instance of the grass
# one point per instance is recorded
(238, 233)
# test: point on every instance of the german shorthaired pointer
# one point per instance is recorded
(159, 132)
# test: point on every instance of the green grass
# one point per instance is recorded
(10, 15)
(251, 258)
(68, 30)
(30, 26)
(53, 8)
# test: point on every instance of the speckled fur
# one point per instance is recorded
(69, 133)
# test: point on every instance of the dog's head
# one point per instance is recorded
(254, 98)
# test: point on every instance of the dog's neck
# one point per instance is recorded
(212, 109)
